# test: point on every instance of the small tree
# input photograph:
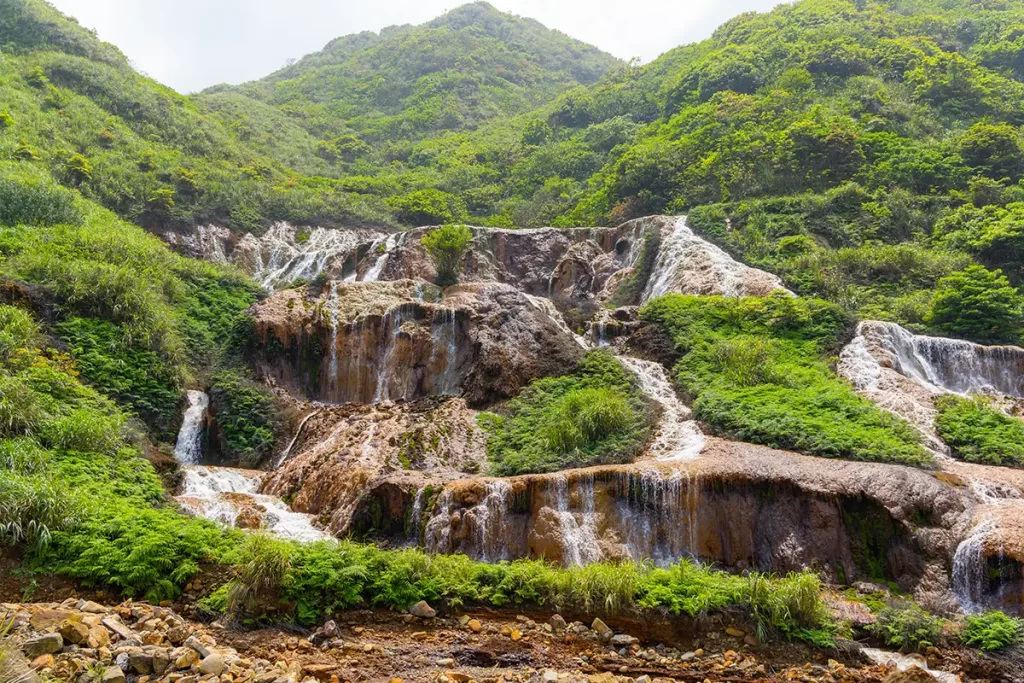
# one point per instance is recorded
(446, 247)
(979, 304)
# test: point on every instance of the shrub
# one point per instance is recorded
(992, 631)
(756, 370)
(906, 627)
(591, 417)
(263, 562)
(17, 330)
(428, 207)
(446, 247)
(978, 304)
(977, 431)
(26, 200)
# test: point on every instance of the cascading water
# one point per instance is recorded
(490, 521)
(390, 244)
(289, 258)
(188, 450)
(579, 529)
(416, 516)
(682, 252)
(281, 459)
(937, 364)
(970, 568)
(224, 495)
(902, 662)
(659, 516)
(392, 320)
(333, 305)
(547, 307)
(445, 341)
(679, 438)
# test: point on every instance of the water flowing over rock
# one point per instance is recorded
(402, 340)
(739, 506)
(688, 264)
(576, 264)
(902, 662)
(282, 254)
(903, 372)
(229, 496)
(679, 437)
(188, 449)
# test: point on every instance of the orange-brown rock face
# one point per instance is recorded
(400, 341)
(354, 465)
(738, 506)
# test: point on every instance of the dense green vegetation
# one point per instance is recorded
(139, 321)
(74, 487)
(756, 370)
(321, 579)
(992, 631)
(980, 432)
(592, 417)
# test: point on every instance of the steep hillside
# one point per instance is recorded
(466, 67)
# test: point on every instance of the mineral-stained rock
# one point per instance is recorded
(75, 632)
(113, 674)
(366, 342)
(212, 664)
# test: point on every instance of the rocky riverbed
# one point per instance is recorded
(135, 642)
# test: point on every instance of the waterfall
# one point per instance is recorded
(390, 244)
(935, 363)
(970, 568)
(659, 516)
(387, 361)
(437, 536)
(490, 522)
(416, 517)
(188, 449)
(288, 259)
(679, 438)
(333, 305)
(691, 265)
(579, 529)
(445, 337)
(224, 495)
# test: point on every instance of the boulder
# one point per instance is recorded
(75, 632)
(113, 675)
(45, 644)
(603, 631)
(212, 665)
(622, 640)
(422, 610)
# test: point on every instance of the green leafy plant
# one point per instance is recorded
(992, 631)
(907, 627)
(447, 246)
(978, 304)
(593, 416)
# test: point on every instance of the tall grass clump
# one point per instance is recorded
(263, 562)
(594, 416)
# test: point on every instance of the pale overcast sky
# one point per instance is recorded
(193, 44)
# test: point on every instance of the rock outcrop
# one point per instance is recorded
(353, 466)
(403, 340)
(575, 264)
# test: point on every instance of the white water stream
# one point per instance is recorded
(188, 449)
(679, 438)
(901, 662)
(224, 494)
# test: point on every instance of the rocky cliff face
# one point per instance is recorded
(575, 264)
(353, 466)
(403, 340)
(389, 370)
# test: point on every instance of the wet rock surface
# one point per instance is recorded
(373, 342)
